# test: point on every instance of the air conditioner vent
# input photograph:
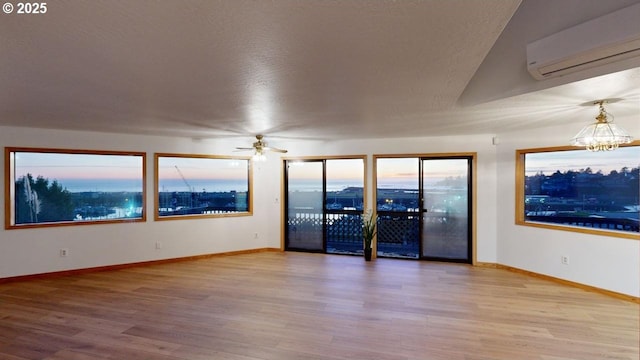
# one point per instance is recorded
(610, 38)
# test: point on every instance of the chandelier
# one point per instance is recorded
(603, 135)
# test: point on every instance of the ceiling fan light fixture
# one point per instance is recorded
(259, 156)
(260, 149)
(603, 135)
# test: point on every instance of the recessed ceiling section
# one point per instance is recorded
(310, 69)
(315, 68)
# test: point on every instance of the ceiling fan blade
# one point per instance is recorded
(275, 149)
(260, 147)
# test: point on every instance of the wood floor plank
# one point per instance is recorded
(275, 306)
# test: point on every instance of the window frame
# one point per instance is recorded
(9, 191)
(156, 212)
(520, 218)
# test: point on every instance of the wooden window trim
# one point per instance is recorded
(520, 198)
(250, 196)
(9, 182)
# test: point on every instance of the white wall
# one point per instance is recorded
(32, 251)
(604, 262)
(600, 261)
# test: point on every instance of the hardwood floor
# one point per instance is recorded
(311, 306)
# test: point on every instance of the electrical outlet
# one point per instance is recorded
(64, 252)
(564, 260)
(255, 235)
(158, 245)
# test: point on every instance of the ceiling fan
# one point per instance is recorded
(260, 148)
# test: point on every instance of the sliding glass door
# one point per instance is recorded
(305, 203)
(344, 202)
(324, 204)
(446, 231)
(398, 204)
(424, 207)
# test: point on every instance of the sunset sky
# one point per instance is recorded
(62, 166)
(77, 166)
(404, 170)
(201, 168)
(392, 171)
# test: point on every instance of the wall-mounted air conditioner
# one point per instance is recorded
(609, 38)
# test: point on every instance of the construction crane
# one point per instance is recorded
(191, 189)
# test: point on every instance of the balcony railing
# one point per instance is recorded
(398, 232)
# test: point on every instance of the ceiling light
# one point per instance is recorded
(259, 155)
(603, 134)
(260, 148)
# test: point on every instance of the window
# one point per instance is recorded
(577, 190)
(46, 187)
(196, 186)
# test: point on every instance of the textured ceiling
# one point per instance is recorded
(290, 68)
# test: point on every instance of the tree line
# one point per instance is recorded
(619, 185)
(38, 200)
